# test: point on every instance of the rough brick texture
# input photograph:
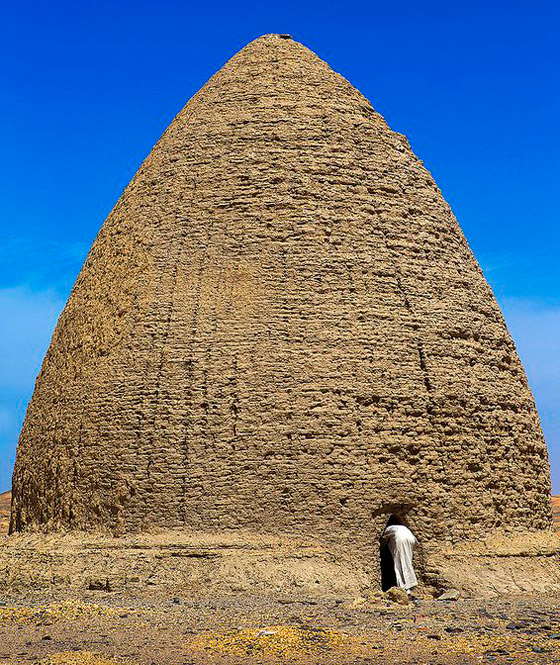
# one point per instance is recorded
(281, 328)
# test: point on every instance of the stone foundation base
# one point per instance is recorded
(526, 563)
(207, 564)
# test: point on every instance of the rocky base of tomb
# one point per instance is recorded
(171, 560)
(499, 565)
(175, 598)
(204, 565)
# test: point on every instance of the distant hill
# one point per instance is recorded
(5, 501)
(556, 510)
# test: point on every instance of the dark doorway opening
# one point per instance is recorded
(388, 577)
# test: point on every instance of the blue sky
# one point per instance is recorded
(88, 88)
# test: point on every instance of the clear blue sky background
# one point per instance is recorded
(88, 87)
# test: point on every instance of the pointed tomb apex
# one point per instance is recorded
(281, 329)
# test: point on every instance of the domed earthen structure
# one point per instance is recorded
(281, 329)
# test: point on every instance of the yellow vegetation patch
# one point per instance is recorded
(506, 645)
(79, 658)
(69, 610)
(272, 641)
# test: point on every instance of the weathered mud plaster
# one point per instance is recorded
(281, 329)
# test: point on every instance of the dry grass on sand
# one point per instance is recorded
(106, 629)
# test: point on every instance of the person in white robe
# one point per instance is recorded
(401, 542)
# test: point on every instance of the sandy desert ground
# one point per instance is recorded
(158, 627)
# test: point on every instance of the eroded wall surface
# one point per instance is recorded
(281, 327)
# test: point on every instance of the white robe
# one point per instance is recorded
(401, 542)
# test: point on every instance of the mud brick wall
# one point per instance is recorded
(281, 328)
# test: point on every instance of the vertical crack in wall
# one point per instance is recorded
(416, 326)
(169, 298)
(189, 372)
(235, 398)
(136, 319)
(422, 356)
(426, 376)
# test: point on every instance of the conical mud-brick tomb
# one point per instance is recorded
(281, 329)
